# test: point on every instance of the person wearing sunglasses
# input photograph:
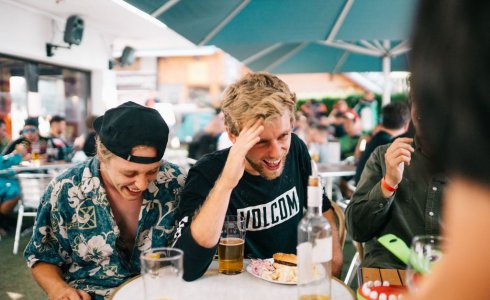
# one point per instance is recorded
(30, 137)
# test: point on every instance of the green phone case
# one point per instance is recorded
(398, 247)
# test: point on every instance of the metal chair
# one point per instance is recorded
(32, 186)
(355, 263)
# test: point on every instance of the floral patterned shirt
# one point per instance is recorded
(76, 230)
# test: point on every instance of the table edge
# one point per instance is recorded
(114, 292)
(351, 291)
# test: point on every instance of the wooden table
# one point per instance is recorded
(394, 276)
(214, 285)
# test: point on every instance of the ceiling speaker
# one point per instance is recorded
(73, 30)
(127, 57)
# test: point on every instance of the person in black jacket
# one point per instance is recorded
(261, 178)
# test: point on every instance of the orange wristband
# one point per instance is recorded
(387, 186)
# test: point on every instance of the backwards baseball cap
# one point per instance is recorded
(129, 125)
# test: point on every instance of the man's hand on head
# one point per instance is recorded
(235, 164)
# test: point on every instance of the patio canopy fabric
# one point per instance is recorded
(296, 36)
(224, 22)
(311, 57)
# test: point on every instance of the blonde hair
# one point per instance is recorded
(103, 153)
(256, 96)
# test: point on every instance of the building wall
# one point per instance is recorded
(195, 75)
(321, 85)
(25, 33)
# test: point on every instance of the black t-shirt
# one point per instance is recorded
(272, 208)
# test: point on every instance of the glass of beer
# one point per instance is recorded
(161, 269)
(231, 246)
(36, 154)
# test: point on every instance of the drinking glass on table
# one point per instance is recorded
(36, 154)
(162, 270)
(424, 252)
(231, 246)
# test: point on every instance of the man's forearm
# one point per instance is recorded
(206, 226)
(49, 277)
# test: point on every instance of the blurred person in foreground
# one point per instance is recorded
(95, 219)
(266, 168)
(398, 193)
(395, 118)
(449, 60)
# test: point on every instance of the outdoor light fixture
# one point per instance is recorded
(73, 35)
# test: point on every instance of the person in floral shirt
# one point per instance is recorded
(96, 218)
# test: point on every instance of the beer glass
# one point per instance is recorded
(36, 154)
(162, 271)
(231, 246)
(424, 252)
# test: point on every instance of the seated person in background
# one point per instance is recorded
(30, 137)
(318, 143)
(266, 166)
(395, 120)
(9, 185)
(367, 109)
(313, 109)
(301, 126)
(397, 194)
(206, 141)
(4, 139)
(89, 144)
(335, 119)
(56, 141)
(96, 218)
(348, 142)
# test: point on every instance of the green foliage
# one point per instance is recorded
(352, 100)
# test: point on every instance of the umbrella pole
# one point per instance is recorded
(386, 73)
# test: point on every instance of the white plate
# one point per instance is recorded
(249, 270)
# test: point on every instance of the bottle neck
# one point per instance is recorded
(314, 210)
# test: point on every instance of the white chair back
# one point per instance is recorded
(32, 186)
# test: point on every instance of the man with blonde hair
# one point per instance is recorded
(262, 178)
(96, 219)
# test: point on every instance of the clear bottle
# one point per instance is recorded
(314, 248)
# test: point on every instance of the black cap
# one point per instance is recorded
(129, 125)
(31, 121)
